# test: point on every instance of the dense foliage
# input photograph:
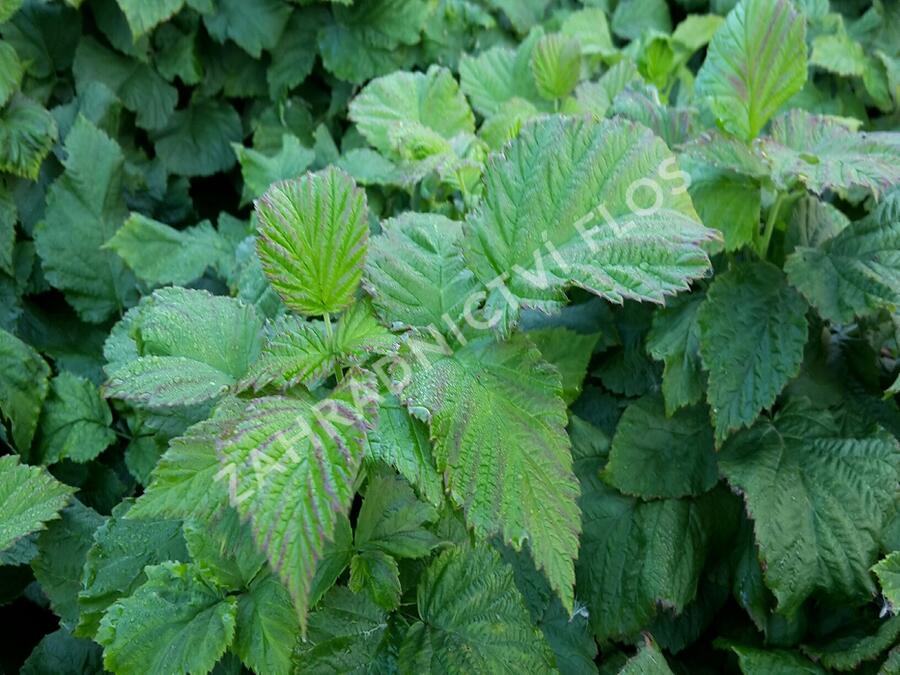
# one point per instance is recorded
(464, 336)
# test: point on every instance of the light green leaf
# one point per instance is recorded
(359, 335)
(24, 381)
(176, 621)
(589, 27)
(654, 456)
(751, 354)
(556, 66)
(114, 566)
(431, 99)
(500, 74)
(818, 498)
(253, 24)
(161, 382)
(297, 351)
(755, 63)
(415, 273)
(11, 71)
(74, 422)
(696, 30)
(313, 238)
(260, 170)
(497, 421)
(186, 483)
(29, 497)
(633, 18)
(569, 352)
(888, 573)
(839, 54)
(821, 153)
(402, 442)
(144, 15)
(857, 271)
(142, 90)
(27, 132)
(62, 551)
(472, 619)
(558, 211)
(197, 140)
(85, 207)
(648, 661)
(267, 627)
(160, 254)
(674, 339)
(290, 465)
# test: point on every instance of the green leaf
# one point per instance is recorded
(856, 272)
(185, 482)
(696, 30)
(267, 627)
(755, 63)
(497, 421)
(674, 339)
(633, 18)
(569, 352)
(27, 132)
(11, 71)
(472, 619)
(197, 140)
(312, 240)
(812, 223)
(359, 335)
(752, 354)
(294, 55)
(297, 351)
(498, 75)
(141, 89)
(253, 24)
(62, 551)
(556, 66)
(755, 661)
(728, 202)
(848, 650)
(648, 661)
(159, 254)
(377, 573)
(589, 27)
(573, 173)
(347, 634)
(75, 421)
(403, 99)
(839, 54)
(175, 621)
(290, 466)
(85, 207)
(821, 153)
(24, 377)
(144, 15)
(402, 442)
(114, 566)
(415, 273)
(888, 573)
(60, 653)
(161, 382)
(818, 498)
(260, 171)
(29, 497)
(392, 520)
(634, 555)
(654, 456)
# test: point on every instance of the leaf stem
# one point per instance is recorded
(770, 224)
(329, 332)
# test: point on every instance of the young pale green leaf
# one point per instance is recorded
(888, 573)
(29, 497)
(114, 565)
(11, 71)
(75, 421)
(176, 621)
(430, 99)
(261, 170)
(755, 63)
(634, 554)
(654, 456)
(27, 132)
(24, 382)
(160, 254)
(472, 619)
(839, 54)
(562, 207)
(85, 207)
(415, 273)
(822, 153)
(290, 465)
(556, 66)
(312, 241)
(197, 140)
(674, 339)
(401, 441)
(753, 330)
(498, 425)
(818, 498)
(856, 272)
